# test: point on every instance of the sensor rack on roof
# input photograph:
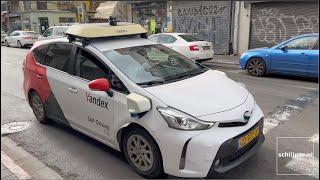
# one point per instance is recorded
(101, 30)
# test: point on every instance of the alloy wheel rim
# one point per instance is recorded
(140, 152)
(38, 107)
(19, 44)
(255, 67)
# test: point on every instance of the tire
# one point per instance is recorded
(153, 166)
(6, 43)
(19, 44)
(256, 67)
(38, 108)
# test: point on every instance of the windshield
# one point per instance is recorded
(61, 31)
(189, 37)
(153, 64)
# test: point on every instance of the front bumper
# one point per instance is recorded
(192, 153)
(230, 156)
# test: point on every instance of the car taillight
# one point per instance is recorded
(194, 48)
(27, 37)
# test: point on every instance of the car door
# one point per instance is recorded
(167, 40)
(90, 111)
(56, 61)
(292, 57)
(313, 67)
(12, 37)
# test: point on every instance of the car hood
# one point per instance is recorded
(207, 93)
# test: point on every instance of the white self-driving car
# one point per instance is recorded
(166, 113)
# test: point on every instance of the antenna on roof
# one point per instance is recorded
(112, 21)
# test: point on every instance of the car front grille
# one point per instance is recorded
(232, 124)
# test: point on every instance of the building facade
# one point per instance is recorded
(232, 26)
(36, 15)
(209, 20)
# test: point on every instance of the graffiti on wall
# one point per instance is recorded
(209, 22)
(272, 26)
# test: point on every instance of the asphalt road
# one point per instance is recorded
(290, 105)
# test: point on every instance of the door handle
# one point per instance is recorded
(39, 76)
(73, 90)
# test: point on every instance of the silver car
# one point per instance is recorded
(21, 38)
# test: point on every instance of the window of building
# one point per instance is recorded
(41, 5)
(27, 5)
(66, 19)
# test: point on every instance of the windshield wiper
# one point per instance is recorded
(182, 75)
(148, 83)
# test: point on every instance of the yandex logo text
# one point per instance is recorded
(96, 101)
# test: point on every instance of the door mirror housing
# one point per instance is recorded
(138, 105)
(101, 84)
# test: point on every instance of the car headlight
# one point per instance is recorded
(182, 121)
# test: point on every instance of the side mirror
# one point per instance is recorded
(138, 105)
(101, 84)
(283, 48)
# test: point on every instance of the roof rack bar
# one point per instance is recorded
(84, 41)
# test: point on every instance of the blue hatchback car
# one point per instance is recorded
(297, 56)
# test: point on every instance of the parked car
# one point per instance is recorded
(21, 39)
(186, 44)
(143, 99)
(54, 32)
(3, 35)
(297, 56)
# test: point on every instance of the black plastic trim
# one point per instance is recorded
(183, 155)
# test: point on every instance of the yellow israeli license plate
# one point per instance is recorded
(249, 137)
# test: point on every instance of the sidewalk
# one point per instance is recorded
(225, 59)
(6, 174)
(16, 163)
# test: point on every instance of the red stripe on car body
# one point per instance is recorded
(35, 77)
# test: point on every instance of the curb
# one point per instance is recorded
(223, 62)
(30, 164)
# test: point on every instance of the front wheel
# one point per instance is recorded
(143, 154)
(256, 67)
(6, 43)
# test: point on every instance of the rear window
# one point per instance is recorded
(40, 52)
(58, 55)
(189, 37)
(29, 33)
